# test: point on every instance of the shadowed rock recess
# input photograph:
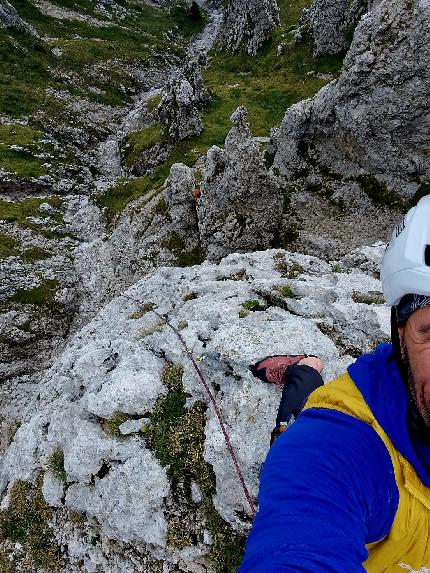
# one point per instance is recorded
(214, 162)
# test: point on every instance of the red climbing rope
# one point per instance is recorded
(214, 404)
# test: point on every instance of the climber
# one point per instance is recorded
(346, 488)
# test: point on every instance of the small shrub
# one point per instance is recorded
(191, 295)
(243, 313)
(239, 276)
(288, 270)
(252, 305)
(278, 256)
(286, 291)
(194, 12)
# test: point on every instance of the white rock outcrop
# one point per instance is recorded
(111, 373)
(9, 17)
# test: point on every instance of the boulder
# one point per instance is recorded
(248, 24)
(331, 24)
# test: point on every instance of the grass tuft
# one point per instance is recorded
(137, 142)
(144, 309)
(372, 297)
(26, 521)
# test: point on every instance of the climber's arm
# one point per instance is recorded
(327, 488)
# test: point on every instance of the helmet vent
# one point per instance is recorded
(427, 255)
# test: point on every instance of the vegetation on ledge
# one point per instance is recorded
(26, 521)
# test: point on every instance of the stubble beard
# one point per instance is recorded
(418, 397)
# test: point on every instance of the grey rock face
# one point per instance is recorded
(9, 18)
(181, 202)
(114, 365)
(241, 203)
(178, 110)
(331, 24)
(248, 24)
(375, 118)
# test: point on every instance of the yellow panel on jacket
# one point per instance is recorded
(407, 546)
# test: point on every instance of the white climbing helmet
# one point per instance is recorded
(406, 263)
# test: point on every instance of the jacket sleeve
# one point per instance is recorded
(327, 488)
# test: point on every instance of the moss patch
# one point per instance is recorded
(378, 192)
(373, 297)
(23, 150)
(176, 436)
(112, 425)
(287, 269)
(184, 257)
(20, 213)
(56, 464)
(6, 565)
(26, 521)
(35, 254)
(286, 291)
(228, 548)
(8, 246)
(44, 294)
(153, 103)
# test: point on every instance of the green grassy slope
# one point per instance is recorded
(77, 58)
(266, 84)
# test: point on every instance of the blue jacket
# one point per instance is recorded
(328, 486)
